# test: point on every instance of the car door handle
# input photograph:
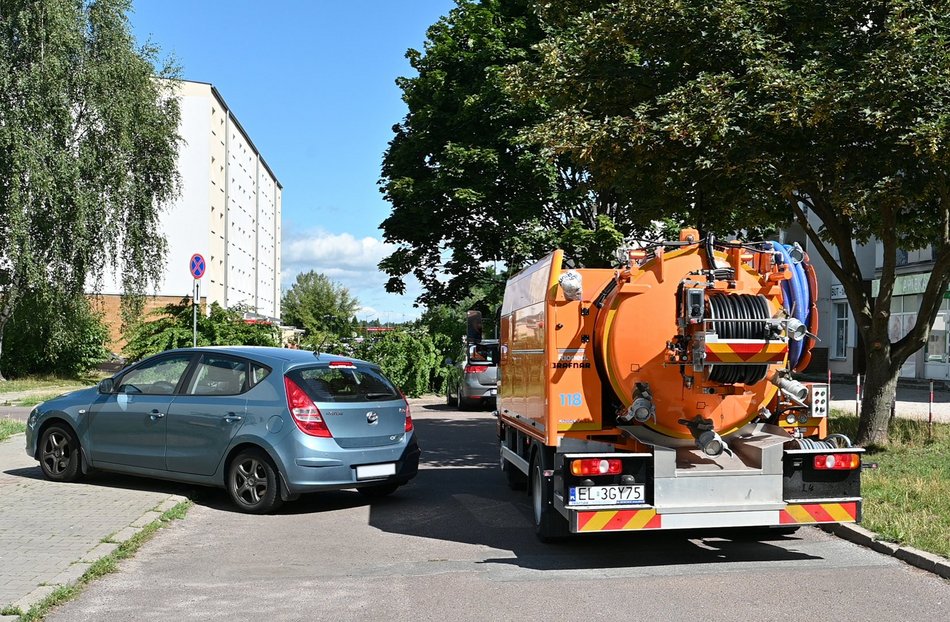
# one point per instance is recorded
(231, 418)
(156, 414)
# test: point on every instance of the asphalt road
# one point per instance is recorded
(456, 544)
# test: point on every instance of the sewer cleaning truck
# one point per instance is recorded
(663, 394)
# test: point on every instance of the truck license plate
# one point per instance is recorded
(607, 495)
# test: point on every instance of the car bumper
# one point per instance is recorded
(313, 471)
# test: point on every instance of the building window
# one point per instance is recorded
(841, 331)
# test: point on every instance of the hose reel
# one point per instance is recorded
(740, 316)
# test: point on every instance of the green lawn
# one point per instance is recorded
(30, 383)
(8, 428)
(907, 498)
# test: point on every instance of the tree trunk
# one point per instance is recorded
(880, 391)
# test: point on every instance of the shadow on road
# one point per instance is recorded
(460, 495)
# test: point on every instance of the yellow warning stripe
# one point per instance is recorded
(838, 512)
(820, 513)
(618, 520)
(733, 353)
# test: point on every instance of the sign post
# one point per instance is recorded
(197, 268)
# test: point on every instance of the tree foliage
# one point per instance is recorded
(407, 356)
(52, 336)
(465, 187)
(324, 308)
(730, 114)
(172, 327)
(88, 148)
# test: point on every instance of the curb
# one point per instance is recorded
(77, 568)
(917, 558)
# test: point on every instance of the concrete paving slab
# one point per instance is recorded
(47, 527)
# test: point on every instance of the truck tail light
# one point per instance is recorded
(475, 369)
(304, 412)
(837, 462)
(596, 466)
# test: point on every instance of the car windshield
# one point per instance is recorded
(484, 353)
(344, 383)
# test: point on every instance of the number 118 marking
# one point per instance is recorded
(571, 399)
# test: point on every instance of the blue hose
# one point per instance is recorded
(797, 299)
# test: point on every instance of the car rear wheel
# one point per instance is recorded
(375, 492)
(451, 400)
(463, 402)
(253, 483)
(59, 454)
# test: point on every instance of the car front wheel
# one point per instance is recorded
(252, 483)
(59, 454)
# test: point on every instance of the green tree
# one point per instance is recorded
(53, 336)
(465, 187)
(88, 148)
(732, 114)
(172, 327)
(322, 307)
(407, 356)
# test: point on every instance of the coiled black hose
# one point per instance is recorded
(746, 314)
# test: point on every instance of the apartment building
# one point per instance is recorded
(228, 211)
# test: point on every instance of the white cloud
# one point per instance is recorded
(352, 262)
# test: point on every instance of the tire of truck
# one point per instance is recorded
(549, 526)
(516, 479)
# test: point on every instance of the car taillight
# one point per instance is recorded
(475, 369)
(595, 466)
(837, 462)
(305, 413)
(342, 364)
(409, 425)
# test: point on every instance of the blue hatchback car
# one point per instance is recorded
(267, 424)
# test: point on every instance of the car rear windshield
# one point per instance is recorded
(482, 353)
(327, 383)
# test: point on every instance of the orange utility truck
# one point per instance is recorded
(661, 395)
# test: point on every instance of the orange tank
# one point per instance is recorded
(685, 338)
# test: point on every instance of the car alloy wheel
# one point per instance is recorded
(59, 454)
(252, 483)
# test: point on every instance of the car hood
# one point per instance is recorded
(81, 398)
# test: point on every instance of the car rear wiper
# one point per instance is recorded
(375, 396)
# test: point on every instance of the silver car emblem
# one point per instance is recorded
(372, 418)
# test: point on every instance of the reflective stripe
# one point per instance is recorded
(618, 520)
(819, 513)
(728, 352)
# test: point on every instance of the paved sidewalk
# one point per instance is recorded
(912, 402)
(50, 533)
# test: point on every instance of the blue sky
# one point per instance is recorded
(312, 83)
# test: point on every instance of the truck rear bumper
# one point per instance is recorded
(805, 513)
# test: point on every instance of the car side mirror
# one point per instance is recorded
(107, 386)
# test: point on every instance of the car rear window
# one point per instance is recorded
(485, 354)
(344, 383)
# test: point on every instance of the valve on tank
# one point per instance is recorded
(707, 439)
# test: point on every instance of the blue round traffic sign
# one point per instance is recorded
(197, 266)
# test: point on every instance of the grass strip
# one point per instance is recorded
(9, 427)
(105, 565)
(907, 498)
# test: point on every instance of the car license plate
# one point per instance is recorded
(370, 471)
(607, 495)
